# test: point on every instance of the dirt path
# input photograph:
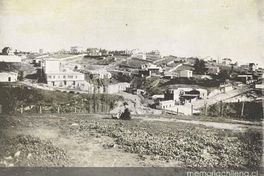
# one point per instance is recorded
(236, 126)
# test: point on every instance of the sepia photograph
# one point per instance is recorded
(132, 87)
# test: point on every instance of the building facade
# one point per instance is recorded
(116, 88)
(186, 74)
(8, 77)
(58, 77)
(65, 79)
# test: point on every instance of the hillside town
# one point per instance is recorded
(166, 84)
(132, 87)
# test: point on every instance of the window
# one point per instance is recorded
(53, 77)
(70, 77)
(64, 77)
(9, 79)
(49, 77)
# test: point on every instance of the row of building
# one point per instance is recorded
(58, 77)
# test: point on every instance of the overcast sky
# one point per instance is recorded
(217, 28)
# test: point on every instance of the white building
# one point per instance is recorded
(166, 104)
(226, 87)
(138, 54)
(116, 88)
(52, 66)
(59, 77)
(8, 77)
(186, 74)
(175, 94)
(65, 79)
(10, 58)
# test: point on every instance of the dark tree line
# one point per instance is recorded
(200, 67)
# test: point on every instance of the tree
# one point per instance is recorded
(199, 66)
(224, 75)
(6, 50)
(20, 76)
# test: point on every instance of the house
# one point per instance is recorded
(170, 75)
(121, 53)
(150, 69)
(38, 60)
(186, 74)
(59, 77)
(65, 79)
(153, 55)
(245, 78)
(226, 87)
(100, 74)
(157, 98)
(116, 88)
(139, 55)
(180, 95)
(226, 61)
(93, 52)
(166, 104)
(8, 77)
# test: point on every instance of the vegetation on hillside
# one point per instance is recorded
(12, 98)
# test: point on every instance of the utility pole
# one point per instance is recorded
(242, 110)
(21, 109)
(205, 109)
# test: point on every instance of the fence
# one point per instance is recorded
(245, 110)
(102, 108)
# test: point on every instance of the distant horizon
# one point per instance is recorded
(162, 54)
(185, 28)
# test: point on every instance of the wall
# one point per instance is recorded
(4, 77)
(9, 59)
(186, 74)
(166, 104)
(52, 66)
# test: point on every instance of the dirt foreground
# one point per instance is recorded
(97, 141)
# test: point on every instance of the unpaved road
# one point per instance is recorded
(235, 126)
